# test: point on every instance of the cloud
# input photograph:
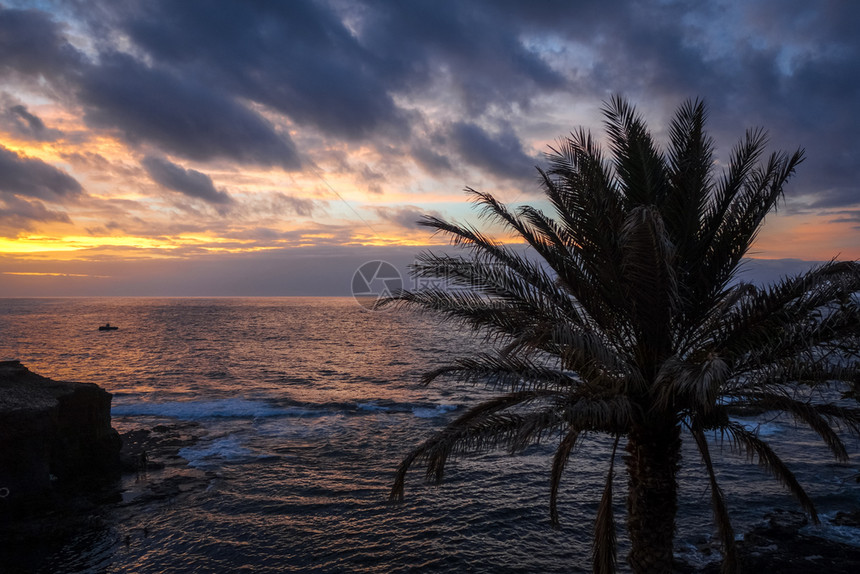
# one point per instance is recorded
(338, 67)
(295, 57)
(18, 214)
(230, 85)
(32, 45)
(432, 161)
(179, 115)
(21, 175)
(476, 48)
(19, 120)
(298, 205)
(406, 216)
(848, 216)
(186, 181)
(274, 204)
(499, 154)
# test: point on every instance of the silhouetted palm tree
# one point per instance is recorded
(632, 322)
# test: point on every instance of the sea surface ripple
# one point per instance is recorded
(306, 406)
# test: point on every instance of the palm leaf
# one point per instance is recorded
(603, 551)
(759, 450)
(559, 461)
(718, 503)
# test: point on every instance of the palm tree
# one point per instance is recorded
(632, 323)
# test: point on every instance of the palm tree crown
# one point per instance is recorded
(631, 322)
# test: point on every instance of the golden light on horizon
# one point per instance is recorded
(351, 198)
(47, 274)
(806, 237)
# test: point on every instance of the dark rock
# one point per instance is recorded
(781, 545)
(144, 449)
(54, 436)
(847, 519)
(28, 542)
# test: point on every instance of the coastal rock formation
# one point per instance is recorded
(53, 435)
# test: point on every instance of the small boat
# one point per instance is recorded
(107, 327)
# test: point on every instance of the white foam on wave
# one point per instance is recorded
(697, 556)
(215, 408)
(225, 449)
(429, 413)
(838, 532)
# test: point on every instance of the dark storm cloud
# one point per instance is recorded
(197, 74)
(821, 95)
(31, 177)
(336, 66)
(186, 181)
(790, 67)
(33, 45)
(498, 154)
(297, 57)
(477, 44)
(179, 115)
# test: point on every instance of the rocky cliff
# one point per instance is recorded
(53, 435)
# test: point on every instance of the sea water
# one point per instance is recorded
(306, 406)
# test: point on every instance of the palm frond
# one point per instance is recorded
(690, 165)
(508, 373)
(481, 428)
(757, 449)
(638, 164)
(739, 224)
(818, 418)
(797, 302)
(692, 385)
(647, 264)
(718, 503)
(559, 461)
(603, 550)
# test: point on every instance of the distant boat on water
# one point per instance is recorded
(107, 327)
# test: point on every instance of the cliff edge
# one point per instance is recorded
(53, 435)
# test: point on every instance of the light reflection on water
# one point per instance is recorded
(307, 406)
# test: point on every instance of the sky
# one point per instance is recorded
(214, 148)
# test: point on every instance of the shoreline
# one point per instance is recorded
(779, 545)
(152, 473)
(155, 474)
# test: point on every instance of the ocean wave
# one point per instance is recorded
(212, 408)
(373, 407)
(433, 412)
(257, 408)
(227, 449)
(831, 530)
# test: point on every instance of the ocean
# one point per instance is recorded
(303, 408)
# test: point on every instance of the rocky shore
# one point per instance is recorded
(783, 543)
(55, 437)
(117, 500)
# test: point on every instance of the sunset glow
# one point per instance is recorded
(118, 148)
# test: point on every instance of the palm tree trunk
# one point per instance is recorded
(653, 458)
